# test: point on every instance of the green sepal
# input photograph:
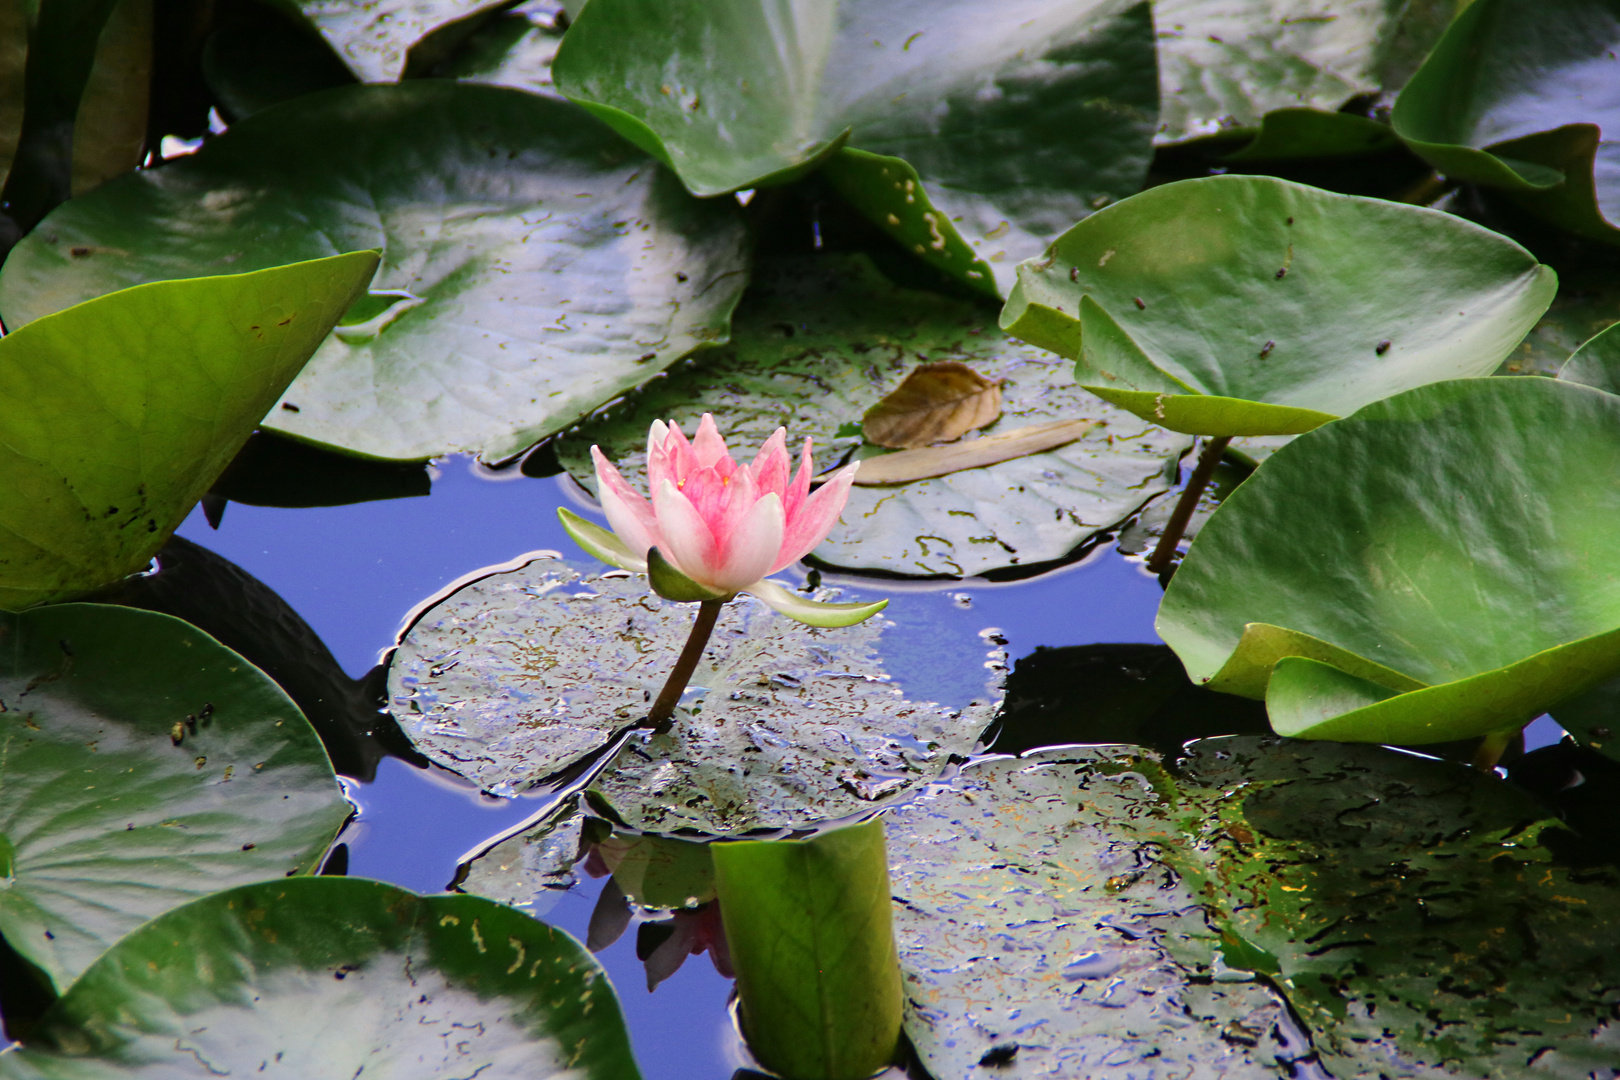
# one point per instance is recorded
(671, 584)
(811, 612)
(599, 542)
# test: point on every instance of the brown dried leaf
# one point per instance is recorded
(909, 465)
(936, 403)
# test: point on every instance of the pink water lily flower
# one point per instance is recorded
(723, 525)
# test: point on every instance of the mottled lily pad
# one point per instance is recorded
(819, 341)
(533, 265)
(328, 977)
(517, 675)
(1385, 893)
(142, 765)
(1035, 927)
(382, 41)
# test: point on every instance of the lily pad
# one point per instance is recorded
(1016, 123)
(514, 677)
(122, 411)
(261, 56)
(1596, 362)
(1245, 305)
(1382, 891)
(382, 41)
(819, 341)
(328, 976)
(1227, 63)
(515, 48)
(533, 265)
(1523, 96)
(1035, 931)
(143, 765)
(1290, 134)
(1593, 718)
(1454, 580)
(531, 871)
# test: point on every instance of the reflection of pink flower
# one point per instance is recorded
(695, 932)
(722, 524)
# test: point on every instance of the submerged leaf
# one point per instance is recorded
(936, 403)
(909, 465)
(533, 265)
(818, 340)
(144, 765)
(1246, 305)
(516, 676)
(1452, 581)
(329, 976)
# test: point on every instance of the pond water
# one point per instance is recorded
(355, 572)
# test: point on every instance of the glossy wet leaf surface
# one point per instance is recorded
(1241, 305)
(1460, 566)
(122, 411)
(1038, 931)
(143, 765)
(336, 977)
(514, 48)
(822, 340)
(383, 40)
(518, 675)
(533, 264)
(1523, 96)
(1017, 122)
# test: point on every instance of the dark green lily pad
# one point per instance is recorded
(1227, 63)
(1016, 123)
(1289, 134)
(121, 412)
(1035, 930)
(1596, 362)
(514, 677)
(534, 266)
(383, 41)
(1520, 95)
(1593, 718)
(329, 976)
(1456, 578)
(818, 342)
(1407, 907)
(1246, 305)
(143, 765)
(261, 56)
(514, 48)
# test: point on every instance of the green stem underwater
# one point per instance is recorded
(1159, 561)
(675, 685)
(1491, 748)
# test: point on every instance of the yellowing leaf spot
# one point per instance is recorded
(1102, 262)
(518, 945)
(478, 939)
(449, 920)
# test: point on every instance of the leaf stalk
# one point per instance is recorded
(664, 708)
(1159, 561)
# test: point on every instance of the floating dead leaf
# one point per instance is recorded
(935, 404)
(909, 465)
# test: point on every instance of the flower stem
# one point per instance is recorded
(1159, 561)
(1491, 748)
(675, 686)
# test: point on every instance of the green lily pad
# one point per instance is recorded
(1289, 134)
(518, 675)
(1519, 95)
(818, 342)
(143, 765)
(261, 56)
(1593, 718)
(1454, 580)
(1017, 122)
(1587, 303)
(122, 411)
(1036, 931)
(533, 870)
(1596, 362)
(329, 976)
(1227, 63)
(1383, 892)
(810, 934)
(515, 48)
(1245, 305)
(382, 41)
(533, 265)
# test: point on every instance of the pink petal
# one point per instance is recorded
(800, 488)
(708, 447)
(772, 467)
(815, 518)
(629, 515)
(751, 546)
(658, 465)
(688, 543)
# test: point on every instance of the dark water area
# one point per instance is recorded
(355, 572)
